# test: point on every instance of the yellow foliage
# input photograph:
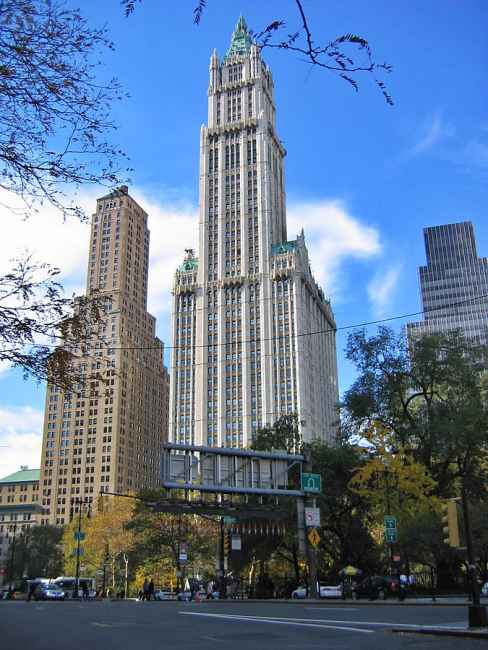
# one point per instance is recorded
(391, 479)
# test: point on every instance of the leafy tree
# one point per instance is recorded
(38, 553)
(432, 396)
(389, 478)
(159, 536)
(33, 308)
(345, 514)
(107, 537)
(283, 435)
(54, 111)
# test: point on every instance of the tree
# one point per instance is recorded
(345, 513)
(54, 111)
(283, 435)
(33, 309)
(346, 56)
(390, 478)
(107, 537)
(160, 535)
(431, 396)
(54, 128)
(38, 553)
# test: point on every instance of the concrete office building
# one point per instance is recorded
(243, 309)
(108, 435)
(19, 509)
(451, 283)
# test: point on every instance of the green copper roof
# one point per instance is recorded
(22, 476)
(189, 265)
(241, 39)
(284, 247)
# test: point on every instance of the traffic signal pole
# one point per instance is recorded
(477, 614)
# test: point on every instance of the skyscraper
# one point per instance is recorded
(107, 435)
(253, 334)
(451, 282)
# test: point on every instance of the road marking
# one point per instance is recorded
(334, 609)
(279, 621)
(326, 621)
(453, 626)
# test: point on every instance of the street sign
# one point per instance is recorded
(236, 543)
(314, 537)
(78, 551)
(79, 535)
(228, 521)
(390, 536)
(183, 552)
(396, 558)
(390, 522)
(311, 482)
(312, 517)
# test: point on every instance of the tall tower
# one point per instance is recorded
(244, 310)
(451, 282)
(107, 436)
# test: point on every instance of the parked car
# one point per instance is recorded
(325, 591)
(164, 594)
(376, 587)
(48, 592)
(484, 589)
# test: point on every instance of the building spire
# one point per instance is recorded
(241, 40)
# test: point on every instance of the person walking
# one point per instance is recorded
(150, 590)
(86, 592)
(145, 590)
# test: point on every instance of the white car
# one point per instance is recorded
(326, 591)
(164, 594)
(484, 589)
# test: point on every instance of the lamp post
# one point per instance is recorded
(80, 503)
(12, 557)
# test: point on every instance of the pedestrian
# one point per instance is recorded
(402, 591)
(32, 588)
(145, 589)
(150, 590)
(86, 592)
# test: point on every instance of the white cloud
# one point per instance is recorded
(332, 235)
(20, 438)
(47, 237)
(435, 130)
(381, 290)
(173, 228)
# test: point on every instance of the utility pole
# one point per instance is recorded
(12, 557)
(80, 503)
(477, 614)
(310, 550)
(222, 585)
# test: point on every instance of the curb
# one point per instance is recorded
(466, 634)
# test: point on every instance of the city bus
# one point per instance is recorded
(68, 585)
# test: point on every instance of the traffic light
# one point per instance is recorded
(450, 524)
(227, 544)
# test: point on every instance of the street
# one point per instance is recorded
(210, 625)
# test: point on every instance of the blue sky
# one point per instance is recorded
(363, 178)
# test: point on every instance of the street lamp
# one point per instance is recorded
(12, 556)
(80, 503)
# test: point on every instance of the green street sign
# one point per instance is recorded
(390, 536)
(228, 521)
(390, 522)
(311, 482)
(79, 535)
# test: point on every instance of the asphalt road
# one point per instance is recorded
(209, 626)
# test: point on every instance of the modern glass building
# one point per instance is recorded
(453, 284)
